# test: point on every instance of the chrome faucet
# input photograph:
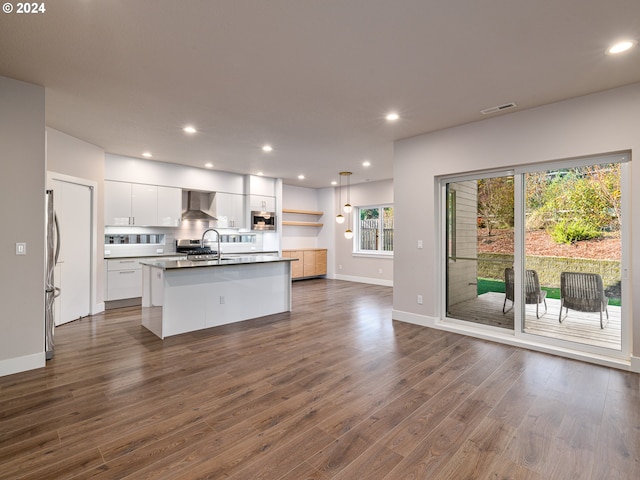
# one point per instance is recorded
(218, 237)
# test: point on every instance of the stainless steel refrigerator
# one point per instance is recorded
(51, 291)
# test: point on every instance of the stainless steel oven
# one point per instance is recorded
(263, 220)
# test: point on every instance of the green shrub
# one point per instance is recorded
(574, 231)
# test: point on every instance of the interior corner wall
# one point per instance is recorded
(22, 213)
(594, 124)
(77, 158)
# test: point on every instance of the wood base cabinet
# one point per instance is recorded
(312, 262)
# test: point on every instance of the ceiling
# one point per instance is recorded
(313, 78)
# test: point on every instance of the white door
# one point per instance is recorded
(72, 203)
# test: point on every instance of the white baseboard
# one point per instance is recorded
(372, 281)
(635, 364)
(407, 317)
(97, 308)
(22, 364)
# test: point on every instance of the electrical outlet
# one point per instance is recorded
(339, 267)
(419, 299)
(21, 248)
(420, 244)
(380, 271)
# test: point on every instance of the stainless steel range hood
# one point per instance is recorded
(197, 205)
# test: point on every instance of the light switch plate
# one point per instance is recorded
(21, 248)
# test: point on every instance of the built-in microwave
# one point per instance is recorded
(263, 220)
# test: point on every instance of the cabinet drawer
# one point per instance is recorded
(124, 284)
(124, 264)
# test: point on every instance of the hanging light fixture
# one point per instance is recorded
(348, 234)
(347, 206)
(340, 217)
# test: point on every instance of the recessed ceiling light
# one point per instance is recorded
(366, 163)
(300, 177)
(260, 174)
(147, 154)
(189, 129)
(333, 182)
(621, 47)
(208, 165)
(267, 148)
(392, 117)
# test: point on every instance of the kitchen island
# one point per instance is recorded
(180, 296)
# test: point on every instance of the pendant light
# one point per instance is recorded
(340, 217)
(348, 234)
(347, 206)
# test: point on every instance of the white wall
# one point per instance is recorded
(70, 156)
(22, 213)
(594, 124)
(363, 268)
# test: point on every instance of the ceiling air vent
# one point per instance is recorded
(499, 108)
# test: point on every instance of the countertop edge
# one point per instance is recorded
(180, 264)
(177, 254)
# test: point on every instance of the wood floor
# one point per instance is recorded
(578, 327)
(333, 390)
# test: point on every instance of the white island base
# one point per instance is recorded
(181, 296)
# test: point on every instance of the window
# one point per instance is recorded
(375, 229)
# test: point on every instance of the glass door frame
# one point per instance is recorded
(542, 342)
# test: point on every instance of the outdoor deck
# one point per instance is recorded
(578, 327)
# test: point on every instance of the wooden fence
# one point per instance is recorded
(370, 236)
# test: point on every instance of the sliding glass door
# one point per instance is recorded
(573, 251)
(540, 252)
(480, 248)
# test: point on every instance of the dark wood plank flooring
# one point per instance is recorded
(333, 390)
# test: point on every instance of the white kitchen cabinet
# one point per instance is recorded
(261, 186)
(143, 205)
(124, 278)
(229, 210)
(117, 203)
(262, 203)
(169, 206)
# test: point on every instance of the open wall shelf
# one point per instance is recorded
(302, 223)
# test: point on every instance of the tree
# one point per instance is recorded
(605, 180)
(495, 202)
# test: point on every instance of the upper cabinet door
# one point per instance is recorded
(264, 186)
(117, 203)
(229, 209)
(144, 204)
(169, 206)
(262, 203)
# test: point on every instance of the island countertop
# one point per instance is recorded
(180, 296)
(224, 261)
